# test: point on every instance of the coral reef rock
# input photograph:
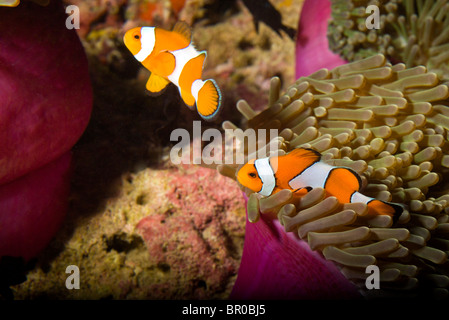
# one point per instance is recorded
(165, 236)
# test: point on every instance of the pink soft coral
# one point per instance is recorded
(45, 104)
(45, 92)
(32, 208)
(312, 50)
(276, 264)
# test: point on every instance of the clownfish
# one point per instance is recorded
(301, 170)
(171, 57)
(9, 3)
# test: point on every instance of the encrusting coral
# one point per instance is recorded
(413, 32)
(390, 124)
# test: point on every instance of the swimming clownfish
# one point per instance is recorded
(171, 57)
(9, 3)
(301, 170)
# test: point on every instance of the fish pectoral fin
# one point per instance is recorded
(156, 83)
(302, 191)
(308, 189)
(183, 28)
(163, 64)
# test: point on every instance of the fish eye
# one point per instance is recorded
(252, 174)
(136, 36)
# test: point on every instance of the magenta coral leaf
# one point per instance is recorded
(45, 105)
(45, 91)
(32, 208)
(312, 51)
(276, 264)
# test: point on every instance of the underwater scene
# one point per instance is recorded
(224, 149)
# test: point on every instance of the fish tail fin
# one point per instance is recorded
(378, 207)
(208, 98)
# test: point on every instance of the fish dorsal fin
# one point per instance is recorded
(305, 153)
(183, 28)
(293, 164)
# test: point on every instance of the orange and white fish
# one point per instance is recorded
(171, 57)
(301, 170)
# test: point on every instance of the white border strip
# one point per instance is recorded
(147, 42)
(358, 197)
(266, 174)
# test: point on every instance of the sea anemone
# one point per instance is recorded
(390, 124)
(413, 32)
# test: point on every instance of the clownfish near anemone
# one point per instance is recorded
(171, 57)
(302, 170)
